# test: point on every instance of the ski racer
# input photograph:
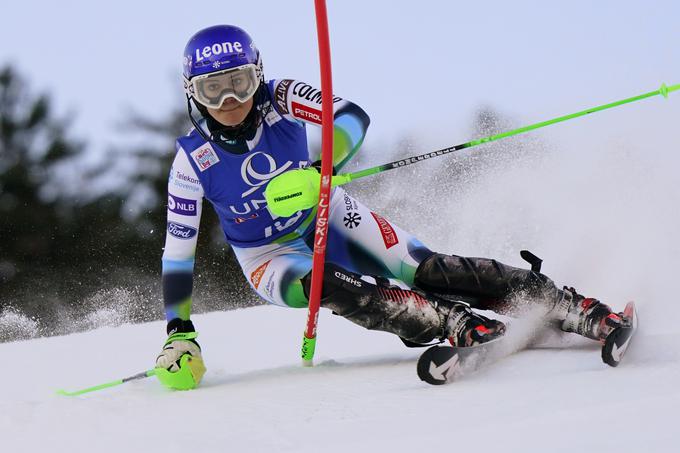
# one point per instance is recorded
(247, 131)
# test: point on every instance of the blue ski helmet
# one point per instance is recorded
(225, 56)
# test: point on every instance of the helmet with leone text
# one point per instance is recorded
(221, 61)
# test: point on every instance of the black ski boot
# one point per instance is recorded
(465, 328)
(593, 319)
(586, 316)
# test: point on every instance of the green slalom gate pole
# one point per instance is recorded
(298, 189)
(142, 375)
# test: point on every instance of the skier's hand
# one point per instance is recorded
(317, 164)
(180, 365)
(293, 191)
(296, 190)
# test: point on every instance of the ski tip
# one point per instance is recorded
(630, 312)
(616, 344)
(436, 364)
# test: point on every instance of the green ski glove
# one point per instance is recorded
(180, 366)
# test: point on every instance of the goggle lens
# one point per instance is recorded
(212, 89)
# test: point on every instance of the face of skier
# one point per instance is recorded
(231, 112)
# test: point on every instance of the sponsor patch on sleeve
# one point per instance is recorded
(185, 182)
(308, 94)
(181, 206)
(181, 231)
(281, 95)
(205, 157)
(388, 234)
(306, 113)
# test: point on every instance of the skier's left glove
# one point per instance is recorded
(317, 164)
(180, 366)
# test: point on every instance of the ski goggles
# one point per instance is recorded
(212, 89)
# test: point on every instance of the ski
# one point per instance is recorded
(444, 364)
(617, 342)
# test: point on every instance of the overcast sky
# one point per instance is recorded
(416, 67)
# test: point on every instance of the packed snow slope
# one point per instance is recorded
(602, 214)
(363, 394)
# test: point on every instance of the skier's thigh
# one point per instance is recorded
(398, 250)
(275, 272)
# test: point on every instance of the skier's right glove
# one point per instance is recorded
(180, 366)
(294, 190)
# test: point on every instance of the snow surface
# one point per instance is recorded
(362, 395)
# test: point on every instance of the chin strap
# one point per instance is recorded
(194, 122)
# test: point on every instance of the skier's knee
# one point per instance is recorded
(337, 280)
(378, 306)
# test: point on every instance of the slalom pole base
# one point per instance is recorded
(308, 347)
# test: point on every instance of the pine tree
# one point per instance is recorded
(33, 144)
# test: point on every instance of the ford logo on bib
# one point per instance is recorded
(181, 231)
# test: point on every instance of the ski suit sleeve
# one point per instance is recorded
(185, 196)
(299, 101)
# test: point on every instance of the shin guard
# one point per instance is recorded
(378, 306)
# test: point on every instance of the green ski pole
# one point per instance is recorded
(142, 375)
(298, 189)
